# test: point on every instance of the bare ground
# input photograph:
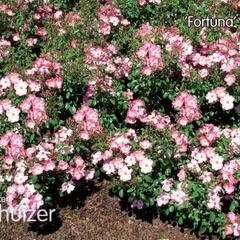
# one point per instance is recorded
(97, 215)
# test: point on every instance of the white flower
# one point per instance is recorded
(211, 97)
(20, 178)
(67, 187)
(125, 173)
(227, 102)
(5, 83)
(96, 157)
(13, 114)
(217, 162)
(130, 160)
(21, 88)
(114, 21)
(146, 165)
(201, 157)
(108, 168)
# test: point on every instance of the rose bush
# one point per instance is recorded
(127, 91)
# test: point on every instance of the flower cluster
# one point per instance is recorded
(77, 170)
(224, 52)
(20, 196)
(4, 47)
(214, 200)
(109, 17)
(228, 174)
(150, 54)
(98, 58)
(204, 155)
(220, 94)
(120, 157)
(6, 9)
(35, 109)
(72, 18)
(208, 134)
(14, 81)
(47, 69)
(45, 154)
(233, 225)
(57, 17)
(188, 107)
(11, 111)
(178, 196)
(176, 45)
(107, 64)
(137, 111)
(234, 136)
(20, 164)
(145, 30)
(181, 141)
(12, 143)
(230, 79)
(32, 105)
(88, 121)
(23, 199)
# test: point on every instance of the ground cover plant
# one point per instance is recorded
(127, 91)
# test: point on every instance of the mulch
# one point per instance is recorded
(96, 214)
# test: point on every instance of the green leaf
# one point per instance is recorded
(233, 205)
(130, 190)
(180, 221)
(212, 216)
(121, 193)
(171, 208)
(148, 179)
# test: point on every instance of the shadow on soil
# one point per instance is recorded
(75, 200)
(151, 213)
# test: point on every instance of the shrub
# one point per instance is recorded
(128, 91)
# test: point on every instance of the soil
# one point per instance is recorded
(96, 214)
